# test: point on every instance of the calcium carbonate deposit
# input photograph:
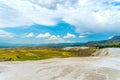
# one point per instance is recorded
(86, 68)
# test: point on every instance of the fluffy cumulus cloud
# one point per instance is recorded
(5, 34)
(30, 35)
(110, 37)
(69, 35)
(85, 15)
(46, 35)
(57, 38)
(82, 36)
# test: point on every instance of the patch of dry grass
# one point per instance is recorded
(20, 54)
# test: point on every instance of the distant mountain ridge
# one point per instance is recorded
(115, 39)
(8, 45)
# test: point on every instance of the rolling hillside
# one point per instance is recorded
(113, 41)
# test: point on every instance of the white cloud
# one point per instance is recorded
(85, 33)
(85, 15)
(82, 36)
(110, 37)
(46, 35)
(54, 39)
(30, 35)
(5, 34)
(69, 35)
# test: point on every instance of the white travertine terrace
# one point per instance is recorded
(107, 52)
(86, 68)
(75, 48)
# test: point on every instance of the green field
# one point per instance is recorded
(21, 54)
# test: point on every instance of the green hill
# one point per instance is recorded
(113, 42)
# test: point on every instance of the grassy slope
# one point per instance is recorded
(20, 54)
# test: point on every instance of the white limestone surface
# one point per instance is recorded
(86, 68)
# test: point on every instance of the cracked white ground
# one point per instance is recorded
(86, 68)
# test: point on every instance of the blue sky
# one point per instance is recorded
(58, 21)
